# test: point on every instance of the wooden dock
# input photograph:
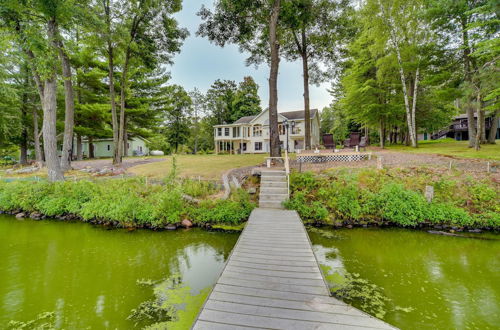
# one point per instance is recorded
(272, 281)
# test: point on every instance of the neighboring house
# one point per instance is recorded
(105, 147)
(459, 128)
(251, 134)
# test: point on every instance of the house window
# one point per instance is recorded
(226, 131)
(219, 131)
(236, 132)
(258, 146)
(243, 146)
(296, 129)
(109, 147)
(257, 130)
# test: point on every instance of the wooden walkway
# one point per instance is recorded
(272, 281)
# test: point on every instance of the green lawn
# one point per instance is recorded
(450, 147)
(206, 166)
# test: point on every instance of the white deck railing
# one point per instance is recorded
(287, 172)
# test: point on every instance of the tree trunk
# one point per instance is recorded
(112, 95)
(36, 138)
(91, 147)
(483, 125)
(69, 102)
(413, 130)
(471, 125)
(480, 123)
(23, 146)
(49, 130)
(125, 138)
(410, 116)
(382, 134)
(307, 110)
(494, 128)
(49, 117)
(273, 81)
(79, 147)
(40, 87)
(23, 143)
(121, 134)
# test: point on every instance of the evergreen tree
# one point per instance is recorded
(246, 100)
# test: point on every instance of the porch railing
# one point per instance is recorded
(287, 172)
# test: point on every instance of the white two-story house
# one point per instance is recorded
(251, 134)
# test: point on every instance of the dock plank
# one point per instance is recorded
(272, 280)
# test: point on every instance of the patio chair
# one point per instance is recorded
(328, 141)
(353, 140)
(363, 143)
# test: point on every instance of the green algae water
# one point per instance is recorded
(431, 281)
(88, 275)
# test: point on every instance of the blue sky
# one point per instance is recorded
(200, 63)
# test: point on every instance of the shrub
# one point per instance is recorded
(312, 211)
(231, 211)
(170, 207)
(446, 213)
(303, 181)
(401, 206)
(395, 195)
(196, 188)
(129, 202)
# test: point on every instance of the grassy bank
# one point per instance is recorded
(450, 147)
(124, 202)
(345, 197)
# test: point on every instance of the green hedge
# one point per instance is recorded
(130, 202)
(395, 196)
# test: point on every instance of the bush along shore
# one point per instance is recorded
(396, 197)
(126, 203)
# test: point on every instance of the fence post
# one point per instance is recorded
(429, 193)
(488, 167)
(379, 163)
(449, 167)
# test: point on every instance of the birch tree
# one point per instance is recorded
(406, 28)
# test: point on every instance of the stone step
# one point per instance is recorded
(274, 184)
(272, 173)
(273, 190)
(271, 204)
(273, 197)
(272, 178)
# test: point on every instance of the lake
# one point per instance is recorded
(88, 274)
(432, 281)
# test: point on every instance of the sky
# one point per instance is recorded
(200, 63)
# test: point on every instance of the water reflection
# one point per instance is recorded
(450, 282)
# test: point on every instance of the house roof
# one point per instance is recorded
(299, 114)
(290, 115)
(244, 120)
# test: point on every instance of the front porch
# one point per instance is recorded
(231, 146)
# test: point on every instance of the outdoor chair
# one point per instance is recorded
(363, 143)
(353, 140)
(328, 141)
